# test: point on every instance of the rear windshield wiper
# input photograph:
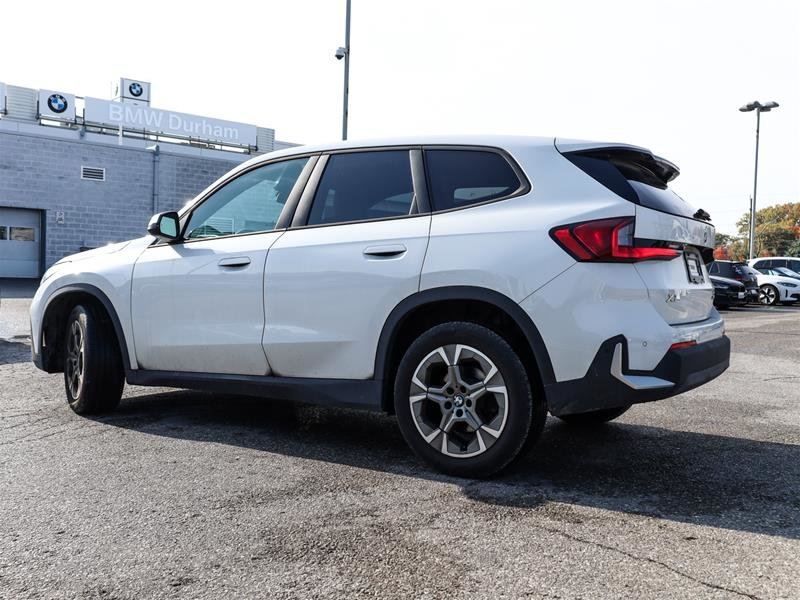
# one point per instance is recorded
(702, 215)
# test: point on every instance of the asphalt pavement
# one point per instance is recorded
(188, 495)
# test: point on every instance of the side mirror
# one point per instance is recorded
(164, 226)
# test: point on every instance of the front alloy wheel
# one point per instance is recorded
(464, 402)
(74, 363)
(768, 294)
(93, 370)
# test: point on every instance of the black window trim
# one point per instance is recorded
(524, 188)
(297, 209)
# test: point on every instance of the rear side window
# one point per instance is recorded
(362, 186)
(633, 175)
(459, 178)
(794, 265)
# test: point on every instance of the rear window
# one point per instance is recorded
(360, 186)
(459, 178)
(730, 270)
(633, 176)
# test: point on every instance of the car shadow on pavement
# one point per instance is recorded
(726, 482)
(12, 351)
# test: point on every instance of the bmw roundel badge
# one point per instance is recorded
(57, 103)
(135, 89)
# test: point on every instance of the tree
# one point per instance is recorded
(794, 249)
(777, 228)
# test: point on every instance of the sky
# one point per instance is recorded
(668, 75)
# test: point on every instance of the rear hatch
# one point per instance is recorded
(679, 288)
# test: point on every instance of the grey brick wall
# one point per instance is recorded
(44, 173)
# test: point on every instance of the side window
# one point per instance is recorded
(250, 203)
(22, 234)
(794, 265)
(363, 185)
(462, 177)
(780, 262)
(714, 268)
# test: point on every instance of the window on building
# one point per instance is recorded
(3, 232)
(250, 203)
(462, 177)
(362, 186)
(22, 234)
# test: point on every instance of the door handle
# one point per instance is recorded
(234, 261)
(387, 251)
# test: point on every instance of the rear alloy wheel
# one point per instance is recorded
(768, 294)
(463, 400)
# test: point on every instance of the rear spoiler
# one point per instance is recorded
(622, 154)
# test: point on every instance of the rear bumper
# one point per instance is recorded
(609, 383)
(752, 294)
(729, 297)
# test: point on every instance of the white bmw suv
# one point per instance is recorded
(467, 285)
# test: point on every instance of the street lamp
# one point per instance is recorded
(759, 108)
(344, 53)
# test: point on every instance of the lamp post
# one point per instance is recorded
(344, 53)
(759, 108)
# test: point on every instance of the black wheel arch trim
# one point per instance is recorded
(100, 296)
(396, 318)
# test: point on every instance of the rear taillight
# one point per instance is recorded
(607, 240)
(687, 344)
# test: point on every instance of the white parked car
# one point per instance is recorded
(468, 285)
(776, 286)
(771, 262)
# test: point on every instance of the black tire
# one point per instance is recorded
(525, 413)
(769, 295)
(97, 387)
(595, 417)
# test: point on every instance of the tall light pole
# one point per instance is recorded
(344, 53)
(759, 108)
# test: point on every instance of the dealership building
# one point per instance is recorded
(78, 173)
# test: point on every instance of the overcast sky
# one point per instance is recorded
(667, 75)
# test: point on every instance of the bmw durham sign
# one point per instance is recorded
(56, 106)
(135, 117)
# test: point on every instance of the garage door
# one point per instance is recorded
(20, 242)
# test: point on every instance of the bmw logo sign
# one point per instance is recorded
(57, 103)
(135, 89)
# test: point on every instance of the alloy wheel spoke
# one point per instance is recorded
(472, 419)
(492, 432)
(440, 399)
(448, 421)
